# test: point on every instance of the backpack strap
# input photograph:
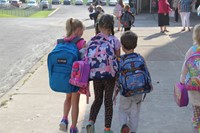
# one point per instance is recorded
(60, 41)
(74, 40)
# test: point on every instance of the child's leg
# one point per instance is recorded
(67, 106)
(134, 112)
(109, 89)
(75, 108)
(196, 111)
(98, 92)
(124, 109)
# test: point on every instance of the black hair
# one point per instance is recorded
(129, 40)
(107, 22)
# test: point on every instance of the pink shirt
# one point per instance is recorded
(163, 6)
(80, 43)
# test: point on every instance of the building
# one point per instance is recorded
(151, 5)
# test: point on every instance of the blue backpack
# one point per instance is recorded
(127, 19)
(60, 61)
(133, 75)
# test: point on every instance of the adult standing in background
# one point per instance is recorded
(132, 4)
(163, 15)
(175, 6)
(185, 7)
(118, 10)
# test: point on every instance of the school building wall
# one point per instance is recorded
(146, 5)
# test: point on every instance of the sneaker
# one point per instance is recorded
(125, 129)
(74, 130)
(110, 131)
(198, 129)
(183, 29)
(194, 123)
(90, 127)
(63, 124)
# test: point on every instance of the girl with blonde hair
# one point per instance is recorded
(74, 29)
(194, 95)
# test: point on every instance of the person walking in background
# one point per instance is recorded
(96, 16)
(175, 7)
(118, 10)
(74, 28)
(163, 15)
(127, 19)
(103, 73)
(185, 78)
(91, 8)
(184, 8)
(132, 4)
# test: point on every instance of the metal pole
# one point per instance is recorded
(150, 10)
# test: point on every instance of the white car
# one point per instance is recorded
(78, 2)
(126, 2)
(32, 4)
(4, 3)
(89, 2)
(112, 2)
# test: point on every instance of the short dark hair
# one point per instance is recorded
(129, 40)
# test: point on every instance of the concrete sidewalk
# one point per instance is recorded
(31, 106)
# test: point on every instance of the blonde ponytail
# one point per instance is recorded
(72, 25)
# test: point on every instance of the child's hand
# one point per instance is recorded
(115, 94)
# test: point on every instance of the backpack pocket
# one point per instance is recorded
(134, 83)
(59, 78)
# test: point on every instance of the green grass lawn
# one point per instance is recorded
(20, 13)
(7, 16)
(41, 14)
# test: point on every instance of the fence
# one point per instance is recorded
(20, 12)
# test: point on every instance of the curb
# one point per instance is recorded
(54, 11)
(17, 86)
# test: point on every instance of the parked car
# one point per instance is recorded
(103, 2)
(66, 2)
(126, 2)
(56, 2)
(32, 3)
(4, 3)
(89, 2)
(16, 3)
(44, 4)
(78, 2)
(112, 2)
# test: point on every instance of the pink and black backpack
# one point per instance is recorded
(101, 57)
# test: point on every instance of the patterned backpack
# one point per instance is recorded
(133, 75)
(193, 66)
(127, 19)
(101, 57)
(80, 77)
